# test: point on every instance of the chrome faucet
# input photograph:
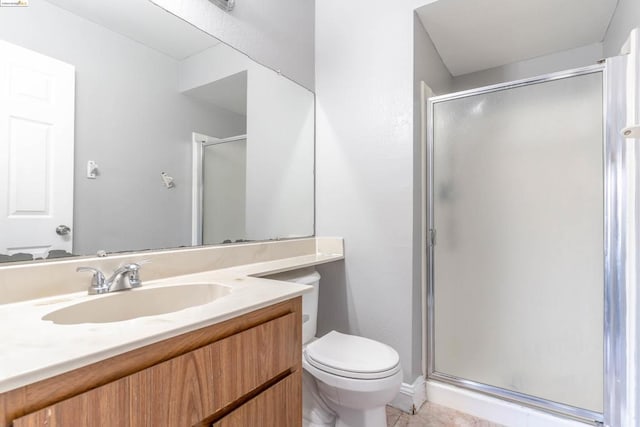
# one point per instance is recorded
(125, 277)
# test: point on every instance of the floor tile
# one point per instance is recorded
(431, 415)
(393, 415)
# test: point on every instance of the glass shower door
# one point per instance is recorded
(516, 272)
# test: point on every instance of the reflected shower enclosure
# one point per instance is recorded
(516, 276)
(224, 168)
(219, 189)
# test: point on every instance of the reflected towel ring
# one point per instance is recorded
(167, 180)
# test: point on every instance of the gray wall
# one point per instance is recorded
(428, 66)
(276, 34)
(626, 17)
(365, 172)
(130, 119)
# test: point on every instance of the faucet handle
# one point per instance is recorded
(134, 272)
(97, 281)
(134, 276)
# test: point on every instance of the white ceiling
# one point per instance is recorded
(474, 35)
(145, 23)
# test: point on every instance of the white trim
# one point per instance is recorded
(196, 186)
(492, 409)
(411, 396)
(630, 414)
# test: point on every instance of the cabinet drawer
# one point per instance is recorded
(186, 389)
(278, 406)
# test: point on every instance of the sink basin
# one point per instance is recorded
(125, 305)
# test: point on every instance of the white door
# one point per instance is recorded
(36, 151)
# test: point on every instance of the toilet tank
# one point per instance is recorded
(305, 276)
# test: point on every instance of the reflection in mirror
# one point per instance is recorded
(99, 105)
(222, 204)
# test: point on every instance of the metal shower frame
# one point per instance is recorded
(617, 167)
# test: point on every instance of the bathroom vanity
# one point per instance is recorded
(232, 361)
(205, 340)
(224, 374)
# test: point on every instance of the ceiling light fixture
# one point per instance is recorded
(226, 5)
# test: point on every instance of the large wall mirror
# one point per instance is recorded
(125, 128)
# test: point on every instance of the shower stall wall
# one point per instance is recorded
(520, 183)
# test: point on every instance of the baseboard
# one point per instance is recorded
(492, 409)
(411, 396)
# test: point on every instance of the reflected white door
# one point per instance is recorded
(36, 151)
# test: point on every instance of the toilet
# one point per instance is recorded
(347, 379)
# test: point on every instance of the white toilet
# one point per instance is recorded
(347, 380)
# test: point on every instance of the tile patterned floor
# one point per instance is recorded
(431, 415)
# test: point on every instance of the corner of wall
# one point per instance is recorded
(625, 18)
(411, 396)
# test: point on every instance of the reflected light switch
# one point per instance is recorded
(92, 169)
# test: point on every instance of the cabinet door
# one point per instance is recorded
(187, 389)
(104, 406)
(278, 406)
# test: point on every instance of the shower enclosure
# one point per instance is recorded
(219, 185)
(526, 252)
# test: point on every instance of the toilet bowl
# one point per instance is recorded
(347, 379)
(355, 376)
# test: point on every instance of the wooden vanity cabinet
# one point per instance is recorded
(247, 373)
(276, 406)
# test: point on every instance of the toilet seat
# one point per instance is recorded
(352, 357)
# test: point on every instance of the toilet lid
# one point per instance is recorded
(352, 356)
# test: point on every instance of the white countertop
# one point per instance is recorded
(33, 349)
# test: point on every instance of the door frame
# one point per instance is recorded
(425, 93)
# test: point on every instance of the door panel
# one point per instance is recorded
(518, 264)
(36, 151)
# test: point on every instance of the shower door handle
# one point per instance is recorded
(431, 237)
